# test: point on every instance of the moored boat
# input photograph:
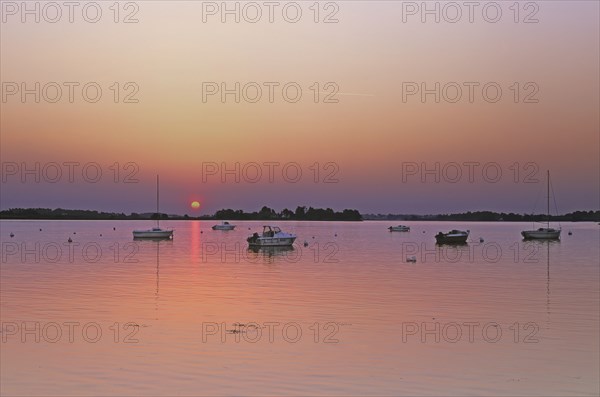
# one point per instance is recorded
(272, 236)
(223, 226)
(544, 233)
(156, 232)
(399, 228)
(452, 237)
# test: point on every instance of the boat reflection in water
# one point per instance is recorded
(288, 253)
(155, 243)
(541, 246)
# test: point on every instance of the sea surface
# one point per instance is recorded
(343, 313)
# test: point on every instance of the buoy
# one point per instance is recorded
(40, 229)
(201, 231)
(411, 259)
(481, 239)
(69, 240)
(335, 235)
(570, 233)
(100, 234)
(306, 243)
(74, 232)
(114, 228)
(12, 235)
(423, 231)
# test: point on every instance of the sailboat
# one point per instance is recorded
(155, 232)
(544, 233)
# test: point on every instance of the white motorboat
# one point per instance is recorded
(272, 236)
(223, 226)
(399, 228)
(544, 233)
(156, 232)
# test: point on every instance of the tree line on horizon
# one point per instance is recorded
(300, 214)
(266, 213)
(490, 216)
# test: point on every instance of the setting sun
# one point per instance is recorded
(195, 205)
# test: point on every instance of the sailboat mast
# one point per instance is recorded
(548, 198)
(157, 211)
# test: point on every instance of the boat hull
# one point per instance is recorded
(541, 234)
(451, 240)
(399, 229)
(152, 234)
(219, 227)
(271, 242)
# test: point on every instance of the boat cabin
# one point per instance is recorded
(269, 231)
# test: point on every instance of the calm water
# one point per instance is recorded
(345, 315)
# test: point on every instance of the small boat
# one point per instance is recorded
(224, 226)
(452, 237)
(156, 232)
(544, 233)
(272, 236)
(399, 228)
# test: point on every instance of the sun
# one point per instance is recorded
(195, 205)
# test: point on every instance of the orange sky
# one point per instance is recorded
(369, 133)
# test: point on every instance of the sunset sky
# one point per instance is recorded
(364, 142)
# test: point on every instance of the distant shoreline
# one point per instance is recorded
(301, 214)
(489, 216)
(266, 213)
